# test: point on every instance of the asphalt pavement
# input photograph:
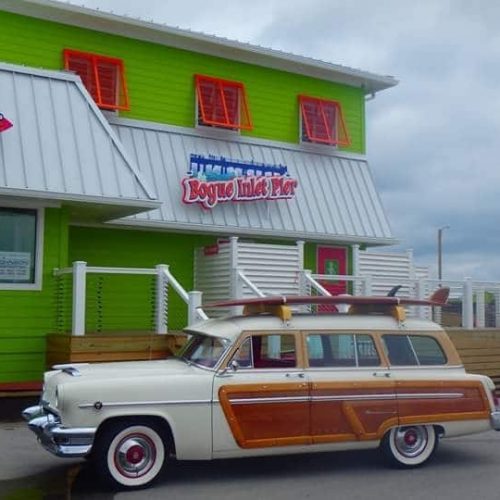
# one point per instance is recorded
(463, 468)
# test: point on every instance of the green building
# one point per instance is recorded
(127, 144)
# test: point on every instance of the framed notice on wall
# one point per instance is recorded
(15, 266)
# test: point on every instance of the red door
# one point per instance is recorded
(332, 261)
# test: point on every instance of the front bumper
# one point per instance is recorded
(495, 420)
(62, 442)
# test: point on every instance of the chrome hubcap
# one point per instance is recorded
(135, 455)
(410, 441)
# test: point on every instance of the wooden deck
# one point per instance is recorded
(479, 350)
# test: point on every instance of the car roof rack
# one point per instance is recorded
(279, 305)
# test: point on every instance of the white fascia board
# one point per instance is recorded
(198, 42)
(255, 233)
(49, 198)
(225, 135)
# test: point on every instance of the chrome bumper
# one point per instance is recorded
(495, 420)
(62, 442)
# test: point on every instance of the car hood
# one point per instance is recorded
(106, 379)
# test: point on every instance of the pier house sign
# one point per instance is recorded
(212, 180)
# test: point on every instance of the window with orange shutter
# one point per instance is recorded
(103, 77)
(322, 122)
(222, 103)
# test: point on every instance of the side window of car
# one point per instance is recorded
(399, 350)
(428, 350)
(410, 350)
(338, 350)
(267, 351)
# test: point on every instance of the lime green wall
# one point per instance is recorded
(127, 302)
(27, 316)
(160, 79)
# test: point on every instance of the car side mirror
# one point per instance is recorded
(232, 366)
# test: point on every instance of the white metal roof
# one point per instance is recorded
(198, 42)
(62, 148)
(336, 199)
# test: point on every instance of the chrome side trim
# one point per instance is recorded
(346, 397)
(283, 399)
(291, 399)
(432, 395)
(147, 403)
(355, 397)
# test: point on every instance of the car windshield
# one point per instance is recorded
(204, 350)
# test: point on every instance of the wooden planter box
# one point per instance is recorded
(101, 347)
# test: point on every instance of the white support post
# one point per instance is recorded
(355, 269)
(420, 293)
(79, 291)
(235, 279)
(300, 268)
(161, 316)
(300, 250)
(480, 308)
(467, 305)
(497, 308)
(195, 298)
(305, 289)
(368, 286)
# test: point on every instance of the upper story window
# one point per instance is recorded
(322, 122)
(103, 77)
(222, 103)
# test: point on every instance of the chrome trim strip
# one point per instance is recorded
(286, 399)
(346, 397)
(291, 399)
(147, 403)
(432, 395)
(355, 397)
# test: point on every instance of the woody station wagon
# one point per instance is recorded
(271, 382)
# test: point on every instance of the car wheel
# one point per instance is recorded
(130, 455)
(410, 446)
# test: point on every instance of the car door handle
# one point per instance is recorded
(295, 375)
(382, 374)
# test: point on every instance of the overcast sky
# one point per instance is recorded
(433, 140)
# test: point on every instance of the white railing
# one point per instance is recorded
(164, 279)
(466, 290)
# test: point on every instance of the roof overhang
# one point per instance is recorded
(81, 209)
(62, 148)
(149, 31)
(336, 200)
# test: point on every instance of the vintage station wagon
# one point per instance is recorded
(270, 382)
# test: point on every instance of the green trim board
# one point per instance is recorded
(160, 79)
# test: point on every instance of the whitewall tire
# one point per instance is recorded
(410, 445)
(131, 455)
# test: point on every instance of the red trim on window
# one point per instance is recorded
(323, 121)
(222, 103)
(103, 77)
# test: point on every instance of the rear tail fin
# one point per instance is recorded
(440, 296)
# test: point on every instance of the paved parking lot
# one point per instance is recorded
(464, 468)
